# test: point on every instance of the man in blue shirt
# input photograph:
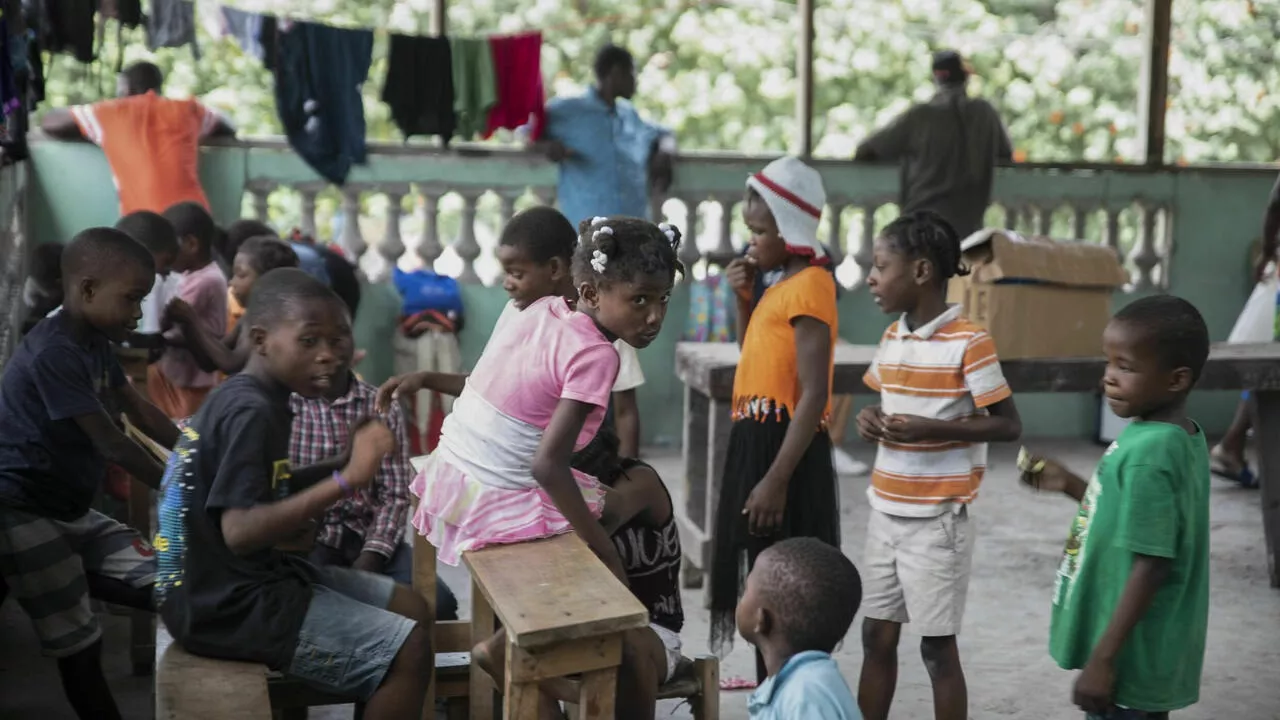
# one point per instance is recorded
(609, 157)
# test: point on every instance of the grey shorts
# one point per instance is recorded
(916, 570)
(45, 562)
(348, 637)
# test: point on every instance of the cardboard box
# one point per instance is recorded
(1038, 297)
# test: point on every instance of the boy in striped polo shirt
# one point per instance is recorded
(943, 397)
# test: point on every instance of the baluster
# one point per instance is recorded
(260, 190)
(1010, 217)
(507, 206)
(1044, 221)
(429, 247)
(866, 243)
(1112, 239)
(835, 209)
(392, 245)
(689, 253)
(724, 252)
(1145, 257)
(352, 241)
(1079, 222)
(466, 246)
(308, 191)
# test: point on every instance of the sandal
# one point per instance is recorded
(1228, 467)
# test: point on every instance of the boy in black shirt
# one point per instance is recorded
(61, 398)
(230, 497)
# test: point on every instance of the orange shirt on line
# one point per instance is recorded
(767, 381)
(152, 146)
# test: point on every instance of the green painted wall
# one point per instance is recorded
(1217, 215)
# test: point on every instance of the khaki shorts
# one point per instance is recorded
(916, 570)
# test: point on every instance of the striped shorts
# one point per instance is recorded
(44, 563)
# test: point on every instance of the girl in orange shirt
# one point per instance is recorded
(778, 479)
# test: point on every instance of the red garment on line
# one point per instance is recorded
(517, 69)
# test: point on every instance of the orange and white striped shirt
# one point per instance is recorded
(946, 369)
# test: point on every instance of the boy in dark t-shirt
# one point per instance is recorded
(231, 497)
(61, 398)
(1131, 602)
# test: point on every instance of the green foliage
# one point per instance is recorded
(1064, 75)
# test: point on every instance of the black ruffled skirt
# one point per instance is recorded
(813, 510)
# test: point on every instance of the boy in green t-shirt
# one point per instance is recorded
(1131, 603)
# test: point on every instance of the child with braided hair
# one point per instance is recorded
(943, 398)
(502, 473)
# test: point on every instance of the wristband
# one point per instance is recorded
(342, 484)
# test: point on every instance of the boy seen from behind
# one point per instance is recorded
(943, 398)
(1131, 601)
(176, 384)
(61, 398)
(232, 496)
(800, 599)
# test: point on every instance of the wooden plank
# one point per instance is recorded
(552, 591)
(598, 695)
(707, 705)
(565, 659)
(709, 369)
(195, 688)
(1267, 430)
(520, 694)
(482, 629)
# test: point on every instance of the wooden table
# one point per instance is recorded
(707, 371)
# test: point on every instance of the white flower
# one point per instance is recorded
(606, 230)
(669, 231)
(598, 261)
(598, 219)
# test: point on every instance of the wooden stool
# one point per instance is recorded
(564, 615)
(695, 681)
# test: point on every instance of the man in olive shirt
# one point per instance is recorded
(948, 147)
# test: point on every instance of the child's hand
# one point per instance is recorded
(370, 443)
(765, 506)
(870, 423)
(1043, 474)
(906, 428)
(742, 277)
(397, 387)
(1092, 691)
(179, 312)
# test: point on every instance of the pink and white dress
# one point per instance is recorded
(477, 488)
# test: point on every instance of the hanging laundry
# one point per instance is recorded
(246, 28)
(319, 71)
(10, 96)
(475, 89)
(517, 64)
(128, 12)
(172, 23)
(69, 28)
(419, 86)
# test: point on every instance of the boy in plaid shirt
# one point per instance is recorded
(364, 531)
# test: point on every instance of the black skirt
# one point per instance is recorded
(813, 510)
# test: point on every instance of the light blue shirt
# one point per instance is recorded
(608, 172)
(809, 687)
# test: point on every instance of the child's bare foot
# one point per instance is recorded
(483, 657)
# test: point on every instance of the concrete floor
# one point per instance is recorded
(1006, 626)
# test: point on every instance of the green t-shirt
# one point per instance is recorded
(1149, 495)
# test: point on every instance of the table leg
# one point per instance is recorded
(1267, 433)
(482, 628)
(142, 632)
(697, 409)
(597, 697)
(520, 697)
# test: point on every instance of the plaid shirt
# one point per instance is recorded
(378, 512)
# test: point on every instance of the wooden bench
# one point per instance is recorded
(707, 371)
(564, 615)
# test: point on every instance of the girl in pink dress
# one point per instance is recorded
(501, 473)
